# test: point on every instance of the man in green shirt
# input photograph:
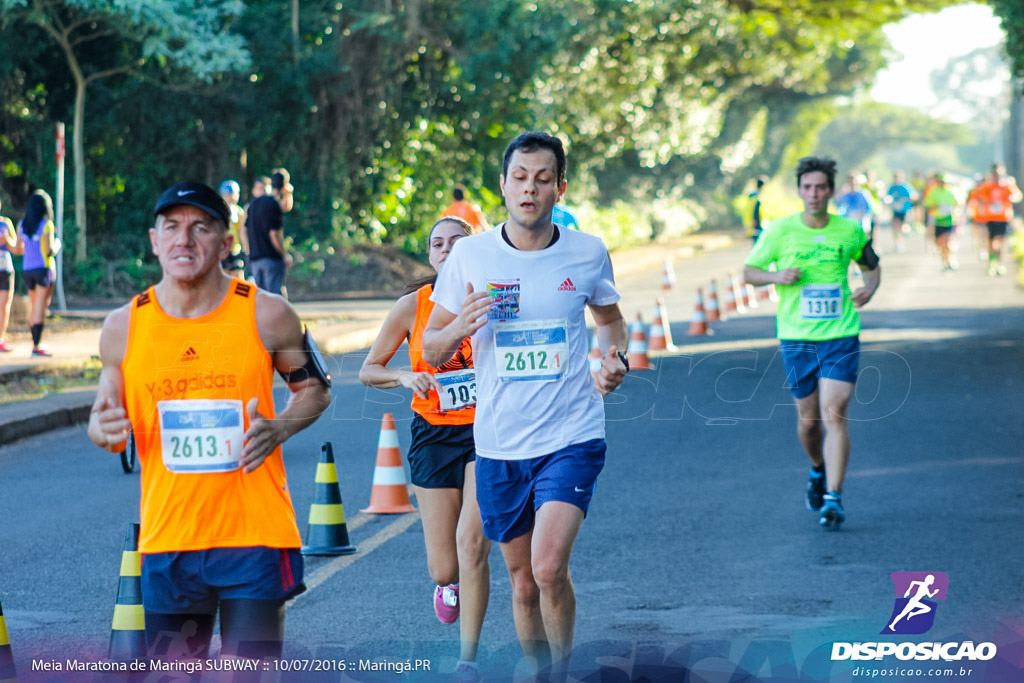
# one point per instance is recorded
(817, 323)
(942, 203)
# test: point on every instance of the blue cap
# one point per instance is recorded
(230, 187)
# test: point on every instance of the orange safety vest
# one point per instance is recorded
(216, 356)
(429, 408)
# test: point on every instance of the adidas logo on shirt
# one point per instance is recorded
(189, 356)
(567, 286)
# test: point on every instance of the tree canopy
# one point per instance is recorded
(378, 107)
(1011, 12)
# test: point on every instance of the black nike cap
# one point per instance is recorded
(194, 194)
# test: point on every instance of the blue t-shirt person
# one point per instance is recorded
(856, 205)
(901, 195)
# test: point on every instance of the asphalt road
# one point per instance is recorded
(697, 555)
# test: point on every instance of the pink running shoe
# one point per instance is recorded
(41, 351)
(5, 347)
(446, 603)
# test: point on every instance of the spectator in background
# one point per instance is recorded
(286, 191)
(264, 224)
(234, 264)
(259, 188)
(461, 208)
(754, 215)
(38, 244)
(8, 243)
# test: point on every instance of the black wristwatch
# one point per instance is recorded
(624, 359)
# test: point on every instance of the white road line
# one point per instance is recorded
(365, 548)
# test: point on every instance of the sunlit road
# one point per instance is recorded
(697, 553)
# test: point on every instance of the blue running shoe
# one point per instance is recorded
(815, 491)
(832, 514)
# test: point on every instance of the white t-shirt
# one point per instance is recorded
(535, 394)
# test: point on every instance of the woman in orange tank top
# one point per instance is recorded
(441, 457)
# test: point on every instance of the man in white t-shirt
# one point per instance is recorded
(520, 292)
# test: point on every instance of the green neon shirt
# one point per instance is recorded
(942, 201)
(818, 306)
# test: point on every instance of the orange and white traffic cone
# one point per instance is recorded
(751, 294)
(728, 302)
(595, 356)
(668, 275)
(699, 322)
(660, 338)
(636, 352)
(711, 309)
(390, 493)
(734, 295)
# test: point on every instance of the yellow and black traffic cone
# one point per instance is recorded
(327, 533)
(8, 674)
(128, 631)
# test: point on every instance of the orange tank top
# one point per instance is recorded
(993, 203)
(465, 211)
(187, 382)
(430, 408)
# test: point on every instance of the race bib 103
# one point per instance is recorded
(458, 389)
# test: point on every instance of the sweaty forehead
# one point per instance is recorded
(535, 161)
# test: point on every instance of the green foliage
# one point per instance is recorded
(621, 223)
(1012, 14)
(857, 132)
(106, 277)
(380, 108)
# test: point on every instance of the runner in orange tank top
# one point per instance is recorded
(188, 367)
(461, 208)
(442, 455)
(992, 205)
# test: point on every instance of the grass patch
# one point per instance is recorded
(37, 383)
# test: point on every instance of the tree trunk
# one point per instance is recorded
(295, 31)
(78, 160)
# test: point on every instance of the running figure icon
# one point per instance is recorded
(915, 607)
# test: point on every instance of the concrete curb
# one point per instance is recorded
(20, 428)
(30, 418)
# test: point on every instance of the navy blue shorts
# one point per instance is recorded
(439, 454)
(38, 277)
(195, 581)
(509, 492)
(807, 361)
